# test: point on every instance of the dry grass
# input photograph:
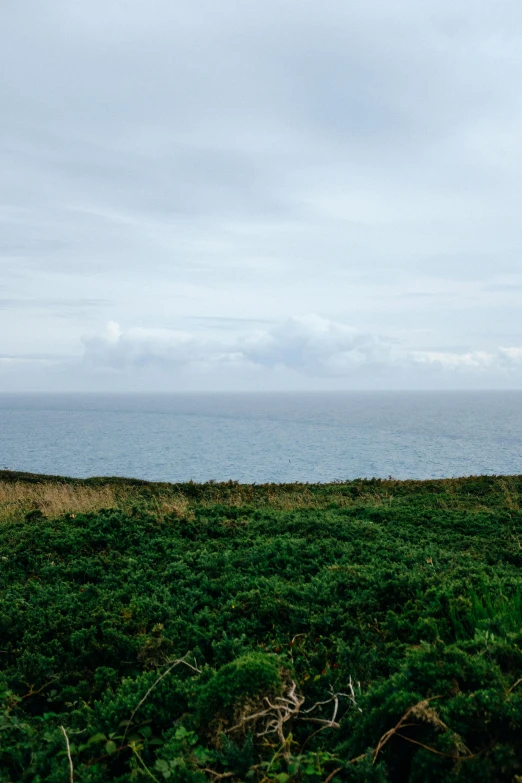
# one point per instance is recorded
(281, 498)
(52, 499)
(55, 498)
(510, 494)
(303, 498)
(504, 491)
(175, 504)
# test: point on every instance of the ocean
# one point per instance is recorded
(265, 437)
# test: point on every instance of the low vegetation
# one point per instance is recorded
(359, 631)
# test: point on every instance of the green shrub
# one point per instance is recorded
(248, 680)
(145, 632)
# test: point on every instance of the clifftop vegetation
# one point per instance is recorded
(359, 631)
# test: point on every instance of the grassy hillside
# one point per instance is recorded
(361, 631)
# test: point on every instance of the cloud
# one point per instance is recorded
(303, 352)
(316, 346)
(138, 346)
(511, 356)
(28, 361)
(210, 171)
(35, 303)
(37, 357)
(474, 360)
(311, 345)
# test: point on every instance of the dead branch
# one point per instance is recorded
(276, 714)
(173, 665)
(425, 714)
(71, 768)
(401, 724)
(352, 692)
(327, 724)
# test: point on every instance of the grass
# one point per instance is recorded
(360, 631)
(18, 499)
(55, 496)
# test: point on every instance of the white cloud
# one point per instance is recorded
(476, 360)
(137, 346)
(304, 352)
(316, 346)
(511, 355)
(500, 360)
(311, 345)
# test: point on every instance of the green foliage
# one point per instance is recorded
(489, 611)
(248, 679)
(150, 631)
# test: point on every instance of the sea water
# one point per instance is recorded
(268, 437)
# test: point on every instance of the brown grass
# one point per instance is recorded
(52, 499)
(55, 497)
(175, 504)
(281, 499)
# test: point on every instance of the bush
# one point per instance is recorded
(377, 627)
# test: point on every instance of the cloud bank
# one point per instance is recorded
(303, 352)
(313, 346)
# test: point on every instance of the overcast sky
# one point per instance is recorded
(260, 195)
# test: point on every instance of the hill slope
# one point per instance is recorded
(366, 631)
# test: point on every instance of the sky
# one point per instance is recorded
(275, 195)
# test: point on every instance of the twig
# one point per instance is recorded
(514, 686)
(275, 757)
(327, 724)
(310, 737)
(359, 758)
(401, 724)
(173, 666)
(217, 775)
(71, 768)
(147, 770)
(35, 693)
(418, 710)
(352, 692)
(332, 775)
(276, 714)
(297, 637)
(285, 708)
(438, 752)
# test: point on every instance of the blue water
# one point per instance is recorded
(263, 437)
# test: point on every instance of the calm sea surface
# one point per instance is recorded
(263, 437)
